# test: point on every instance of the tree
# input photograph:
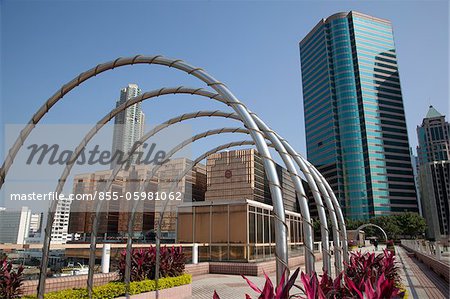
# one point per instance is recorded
(403, 224)
(389, 224)
(352, 224)
(411, 224)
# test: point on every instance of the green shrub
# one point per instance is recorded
(68, 294)
(117, 289)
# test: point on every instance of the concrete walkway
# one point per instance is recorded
(420, 281)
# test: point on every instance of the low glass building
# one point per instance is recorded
(235, 230)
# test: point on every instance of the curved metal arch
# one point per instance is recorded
(299, 188)
(310, 173)
(265, 130)
(158, 93)
(176, 90)
(274, 184)
(308, 226)
(280, 149)
(214, 96)
(370, 224)
(337, 207)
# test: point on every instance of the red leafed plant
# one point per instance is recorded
(385, 288)
(143, 262)
(10, 280)
(369, 266)
(326, 287)
(268, 291)
(172, 262)
(368, 276)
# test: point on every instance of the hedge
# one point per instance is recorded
(117, 289)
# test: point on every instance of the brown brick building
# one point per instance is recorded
(236, 221)
(115, 213)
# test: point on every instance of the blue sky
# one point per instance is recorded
(250, 46)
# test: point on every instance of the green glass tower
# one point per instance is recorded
(354, 116)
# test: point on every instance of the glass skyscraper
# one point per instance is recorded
(129, 124)
(354, 117)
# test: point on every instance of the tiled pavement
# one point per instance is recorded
(230, 286)
(421, 282)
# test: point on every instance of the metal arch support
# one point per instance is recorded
(340, 215)
(157, 93)
(303, 201)
(334, 222)
(275, 188)
(333, 206)
(152, 94)
(312, 179)
(370, 224)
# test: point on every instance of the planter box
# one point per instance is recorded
(180, 292)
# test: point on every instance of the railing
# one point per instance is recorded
(77, 252)
(438, 250)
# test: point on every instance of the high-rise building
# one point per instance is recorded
(35, 224)
(434, 173)
(129, 124)
(415, 166)
(14, 225)
(59, 228)
(354, 116)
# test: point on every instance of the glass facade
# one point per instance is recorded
(354, 117)
(239, 230)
